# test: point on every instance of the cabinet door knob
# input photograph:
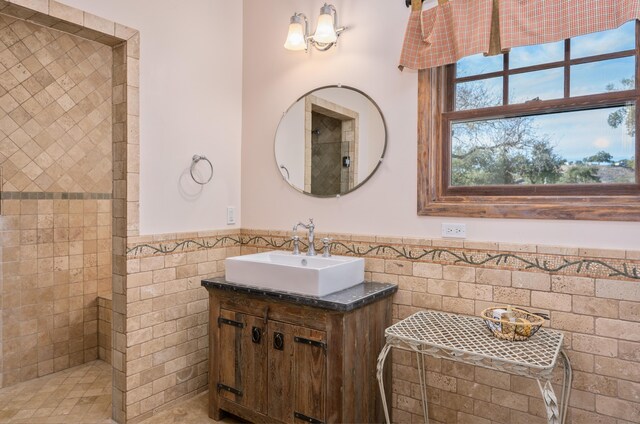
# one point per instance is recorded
(256, 334)
(278, 341)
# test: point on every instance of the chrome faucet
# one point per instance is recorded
(310, 227)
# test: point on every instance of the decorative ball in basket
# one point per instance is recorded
(512, 324)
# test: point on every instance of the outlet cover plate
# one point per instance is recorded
(454, 230)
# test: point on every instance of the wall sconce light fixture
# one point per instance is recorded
(325, 36)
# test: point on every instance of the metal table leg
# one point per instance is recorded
(380, 373)
(566, 385)
(550, 401)
(422, 372)
(557, 411)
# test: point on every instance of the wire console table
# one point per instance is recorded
(466, 339)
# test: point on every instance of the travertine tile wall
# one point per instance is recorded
(326, 158)
(592, 295)
(350, 134)
(167, 319)
(317, 107)
(125, 137)
(55, 138)
(104, 327)
(55, 98)
(599, 317)
(119, 240)
(56, 260)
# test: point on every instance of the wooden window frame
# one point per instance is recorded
(614, 202)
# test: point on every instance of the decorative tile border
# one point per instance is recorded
(592, 267)
(189, 245)
(31, 195)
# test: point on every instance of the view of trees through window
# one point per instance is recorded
(573, 145)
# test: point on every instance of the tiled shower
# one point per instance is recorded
(55, 216)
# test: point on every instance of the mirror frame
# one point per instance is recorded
(373, 171)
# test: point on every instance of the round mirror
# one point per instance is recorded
(330, 141)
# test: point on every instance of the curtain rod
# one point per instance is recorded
(408, 3)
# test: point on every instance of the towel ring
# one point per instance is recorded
(194, 161)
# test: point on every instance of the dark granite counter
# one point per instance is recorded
(342, 301)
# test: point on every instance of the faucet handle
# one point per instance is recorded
(296, 245)
(326, 243)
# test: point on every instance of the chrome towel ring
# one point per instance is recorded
(194, 161)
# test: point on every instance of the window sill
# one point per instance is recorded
(595, 209)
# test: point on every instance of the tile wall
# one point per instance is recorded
(167, 317)
(55, 95)
(124, 46)
(326, 154)
(55, 156)
(316, 108)
(592, 295)
(105, 311)
(56, 260)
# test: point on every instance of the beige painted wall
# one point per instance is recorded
(366, 59)
(190, 103)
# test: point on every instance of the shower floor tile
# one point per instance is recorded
(78, 395)
(82, 395)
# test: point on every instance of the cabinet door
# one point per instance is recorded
(242, 375)
(297, 373)
(310, 374)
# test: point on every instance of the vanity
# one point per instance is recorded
(294, 337)
(284, 357)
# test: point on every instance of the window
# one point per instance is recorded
(545, 131)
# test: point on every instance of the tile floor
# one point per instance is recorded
(77, 395)
(192, 411)
(82, 395)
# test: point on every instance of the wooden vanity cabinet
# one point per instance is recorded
(243, 355)
(276, 361)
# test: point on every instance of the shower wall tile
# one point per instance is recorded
(55, 223)
(125, 129)
(56, 260)
(104, 327)
(55, 97)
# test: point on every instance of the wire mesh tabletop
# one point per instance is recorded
(469, 336)
(467, 339)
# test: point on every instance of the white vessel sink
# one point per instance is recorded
(310, 275)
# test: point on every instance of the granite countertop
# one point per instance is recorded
(342, 301)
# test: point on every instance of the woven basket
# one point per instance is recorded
(525, 325)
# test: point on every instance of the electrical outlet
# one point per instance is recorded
(231, 215)
(454, 230)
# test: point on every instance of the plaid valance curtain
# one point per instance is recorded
(454, 29)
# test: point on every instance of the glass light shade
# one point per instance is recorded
(295, 37)
(325, 30)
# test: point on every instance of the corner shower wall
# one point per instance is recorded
(55, 216)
